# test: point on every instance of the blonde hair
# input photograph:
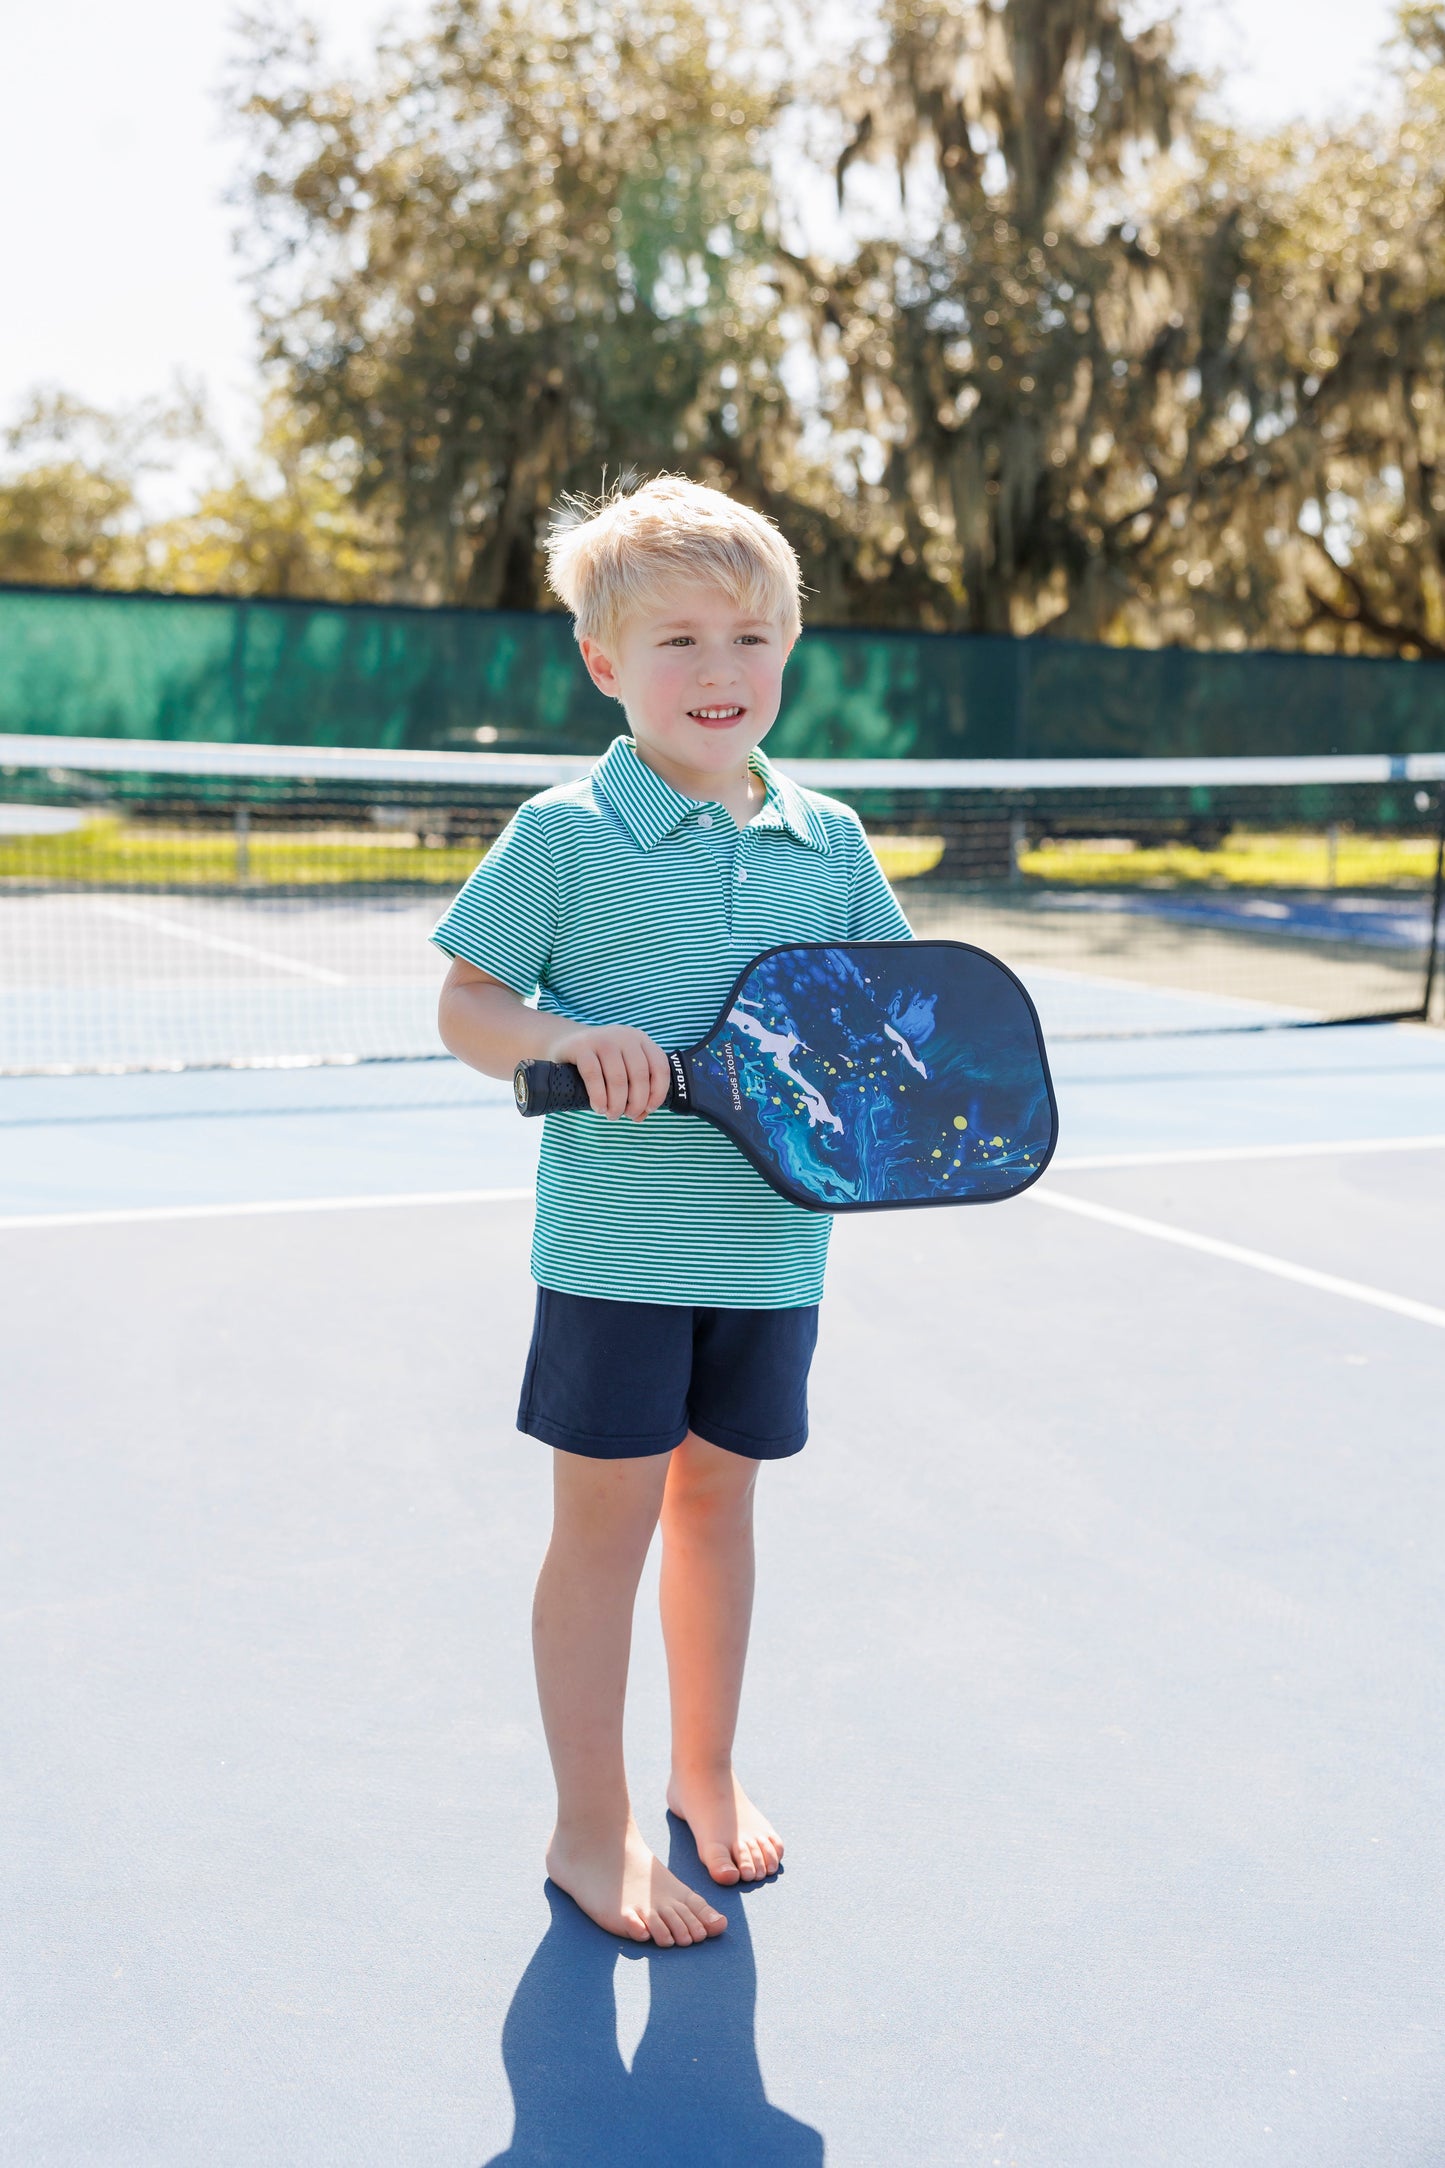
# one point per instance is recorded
(611, 557)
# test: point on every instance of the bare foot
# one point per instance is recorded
(622, 1885)
(734, 1841)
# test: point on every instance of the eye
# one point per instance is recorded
(751, 639)
(680, 639)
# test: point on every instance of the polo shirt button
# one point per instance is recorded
(704, 820)
(742, 873)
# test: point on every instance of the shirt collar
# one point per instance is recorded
(651, 809)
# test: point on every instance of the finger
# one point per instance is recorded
(614, 1069)
(639, 1080)
(589, 1068)
(659, 1073)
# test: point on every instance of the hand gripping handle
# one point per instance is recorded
(549, 1087)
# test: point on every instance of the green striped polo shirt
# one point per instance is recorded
(618, 901)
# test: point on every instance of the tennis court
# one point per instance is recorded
(1096, 1676)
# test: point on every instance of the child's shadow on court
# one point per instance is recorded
(694, 2097)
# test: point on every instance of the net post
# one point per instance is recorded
(1432, 958)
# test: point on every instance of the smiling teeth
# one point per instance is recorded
(715, 715)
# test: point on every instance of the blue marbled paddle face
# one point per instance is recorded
(882, 1073)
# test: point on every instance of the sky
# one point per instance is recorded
(117, 266)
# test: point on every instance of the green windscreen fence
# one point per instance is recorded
(213, 669)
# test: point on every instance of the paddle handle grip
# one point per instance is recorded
(556, 1087)
(549, 1087)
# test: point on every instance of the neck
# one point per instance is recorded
(738, 788)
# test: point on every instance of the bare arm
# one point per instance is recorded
(489, 1027)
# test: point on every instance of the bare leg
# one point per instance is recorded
(604, 1515)
(707, 1607)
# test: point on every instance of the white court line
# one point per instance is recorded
(130, 1216)
(1208, 1245)
(1223, 1153)
(1210, 1002)
(1325, 1282)
(179, 932)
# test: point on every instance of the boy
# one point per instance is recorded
(677, 1294)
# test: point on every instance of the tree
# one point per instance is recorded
(68, 503)
(1088, 364)
(285, 523)
(1128, 374)
(1358, 480)
(531, 251)
(1043, 369)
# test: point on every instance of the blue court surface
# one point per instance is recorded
(1096, 1679)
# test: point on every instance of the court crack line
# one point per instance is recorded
(1328, 1283)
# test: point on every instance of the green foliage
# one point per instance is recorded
(68, 490)
(531, 252)
(62, 525)
(141, 855)
(288, 524)
(1082, 362)
(1049, 362)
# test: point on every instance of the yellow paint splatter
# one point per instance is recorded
(997, 1140)
(938, 1155)
(960, 1121)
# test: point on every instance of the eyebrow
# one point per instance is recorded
(690, 624)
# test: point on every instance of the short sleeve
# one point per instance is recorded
(873, 911)
(505, 918)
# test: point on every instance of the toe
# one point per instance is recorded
(635, 1925)
(680, 1924)
(719, 1863)
(659, 1930)
(769, 1850)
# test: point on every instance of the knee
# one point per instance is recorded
(713, 1490)
(604, 1522)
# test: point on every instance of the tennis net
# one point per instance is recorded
(178, 905)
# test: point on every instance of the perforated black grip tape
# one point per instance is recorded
(549, 1087)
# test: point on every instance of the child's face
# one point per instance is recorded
(699, 680)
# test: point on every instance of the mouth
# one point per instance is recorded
(718, 718)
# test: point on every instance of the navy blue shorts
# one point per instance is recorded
(615, 1380)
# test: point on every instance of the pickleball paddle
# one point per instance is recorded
(864, 1075)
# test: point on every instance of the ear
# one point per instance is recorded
(599, 669)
